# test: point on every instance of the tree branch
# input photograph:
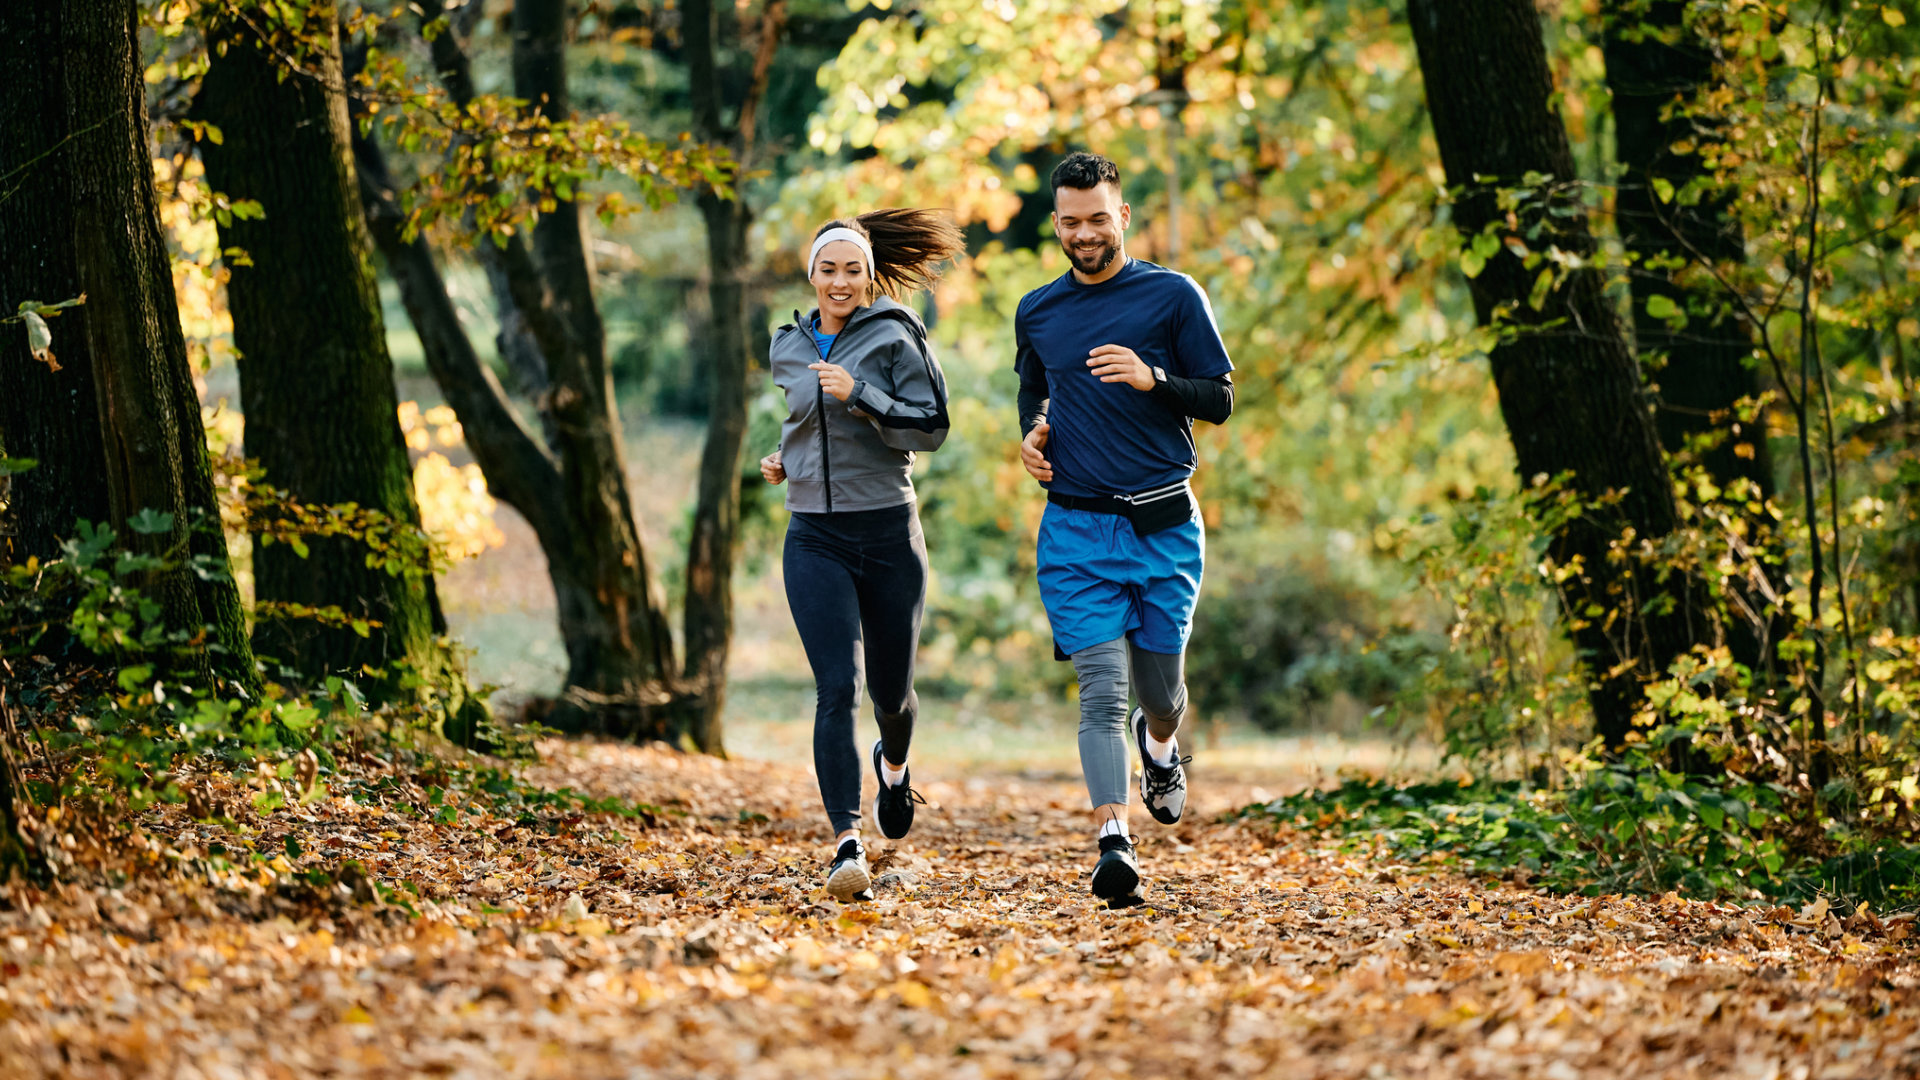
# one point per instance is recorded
(771, 26)
(518, 468)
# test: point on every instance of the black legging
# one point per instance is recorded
(857, 578)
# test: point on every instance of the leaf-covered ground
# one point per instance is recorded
(696, 942)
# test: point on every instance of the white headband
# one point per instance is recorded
(840, 233)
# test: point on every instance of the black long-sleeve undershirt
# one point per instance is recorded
(1033, 409)
(1202, 399)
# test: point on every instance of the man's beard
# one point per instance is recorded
(1102, 258)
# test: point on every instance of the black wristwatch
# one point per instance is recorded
(1159, 376)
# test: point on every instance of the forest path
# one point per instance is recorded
(702, 946)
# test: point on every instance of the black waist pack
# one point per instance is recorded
(1148, 512)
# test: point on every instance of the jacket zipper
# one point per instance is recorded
(826, 458)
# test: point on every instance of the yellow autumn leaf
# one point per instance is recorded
(455, 507)
(1004, 962)
(806, 952)
(1892, 16)
(1523, 963)
(356, 1015)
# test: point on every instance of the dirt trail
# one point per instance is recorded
(702, 946)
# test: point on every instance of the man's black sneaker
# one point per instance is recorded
(1162, 787)
(848, 877)
(1116, 877)
(893, 807)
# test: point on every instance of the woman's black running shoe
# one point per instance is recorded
(893, 807)
(1116, 877)
(848, 877)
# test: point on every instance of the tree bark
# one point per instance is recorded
(18, 852)
(316, 382)
(708, 615)
(1569, 390)
(1653, 60)
(117, 430)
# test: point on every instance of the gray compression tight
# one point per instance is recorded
(1159, 680)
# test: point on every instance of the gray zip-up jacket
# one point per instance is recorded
(858, 454)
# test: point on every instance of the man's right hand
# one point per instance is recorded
(771, 470)
(1030, 455)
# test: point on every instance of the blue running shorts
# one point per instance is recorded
(1100, 582)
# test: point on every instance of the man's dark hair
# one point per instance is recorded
(1084, 171)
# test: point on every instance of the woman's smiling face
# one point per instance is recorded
(841, 278)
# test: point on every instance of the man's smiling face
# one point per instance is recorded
(1092, 225)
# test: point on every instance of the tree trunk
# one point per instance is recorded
(316, 383)
(117, 430)
(708, 627)
(1653, 60)
(612, 618)
(1569, 389)
(708, 614)
(18, 852)
(623, 670)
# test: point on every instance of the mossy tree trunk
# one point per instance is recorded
(1699, 363)
(316, 381)
(117, 427)
(1570, 391)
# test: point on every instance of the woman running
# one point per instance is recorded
(864, 392)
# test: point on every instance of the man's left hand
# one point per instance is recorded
(1117, 363)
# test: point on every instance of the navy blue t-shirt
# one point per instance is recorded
(1109, 438)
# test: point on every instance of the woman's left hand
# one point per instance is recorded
(834, 380)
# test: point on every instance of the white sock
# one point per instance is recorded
(853, 836)
(891, 774)
(1112, 827)
(1162, 753)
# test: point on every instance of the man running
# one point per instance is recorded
(1117, 358)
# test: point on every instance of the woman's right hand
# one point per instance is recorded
(772, 470)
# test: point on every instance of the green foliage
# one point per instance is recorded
(122, 735)
(1302, 642)
(121, 705)
(1623, 827)
(1505, 691)
(499, 162)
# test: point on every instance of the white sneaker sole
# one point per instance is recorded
(849, 881)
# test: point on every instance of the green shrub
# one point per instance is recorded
(1623, 827)
(1282, 643)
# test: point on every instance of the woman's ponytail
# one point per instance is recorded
(908, 246)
